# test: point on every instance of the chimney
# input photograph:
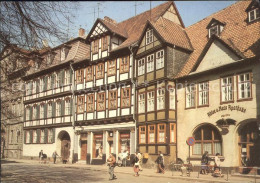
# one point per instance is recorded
(110, 20)
(81, 32)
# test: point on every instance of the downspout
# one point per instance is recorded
(132, 81)
(73, 112)
(176, 117)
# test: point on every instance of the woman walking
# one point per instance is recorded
(136, 165)
(204, 163)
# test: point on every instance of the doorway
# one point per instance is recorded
(65, 145)
(84, 147)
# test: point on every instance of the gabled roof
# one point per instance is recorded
(237, 34)
(254, 3)
(172, 33)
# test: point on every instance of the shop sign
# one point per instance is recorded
(125, 135)
(98, 136)
(227, 108)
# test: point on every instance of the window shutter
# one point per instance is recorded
(45, 135)
(71, 106)
(53, 109)
(38, 135)
(62, 107)
(62, 75)
(53, 135)
(45, 110)
(45, 83)
(31, 136)
(71, 76)
(24, 135)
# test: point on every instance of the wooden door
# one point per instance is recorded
(94, 149)
(65, 149)
(84, 146)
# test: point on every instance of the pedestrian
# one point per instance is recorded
(41, 156)
(136, 165)
(140, 157)
(124, 156)
(111, 162)
(54, 156)
(204, 163)
(160, 163)
(217, 171)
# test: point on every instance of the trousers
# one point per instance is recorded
(111, 172)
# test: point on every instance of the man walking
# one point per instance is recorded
(111, 164)
(54, 155)
(41, 156)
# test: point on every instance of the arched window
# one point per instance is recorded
(207, 139)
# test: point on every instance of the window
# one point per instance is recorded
(34, 87)
(111, 67)
(89, 73)
(101, 104)
(81, 102)
(34, 136)
(141, 67)
(48, 58)
(104, 45)
(227, 89)
(27, 138)
(207, 139)
(12, 136)
(142, 136)
(203, 94)
(63, 54)
(161, 133)
(34, 113)
(58, 79)
(67, 77)
(42, 111)
(49, 113)
(112, 100)
(41, 84)
(58, 108)
(125, 97)
(28, 111)
(150, 63)
(160, 59)
(254, 14)
(100, 71)
(67, 106)
(151, 133)
(160, 98)
(172, 97)
(149, 36)
(172, 133)
(214, 30)
(95, 46)
(50, 135)
(244, 86)
(90, 103)
(42, 136)
(49, 82)
(141, 103)
(150, 101)
(80, 75)
(190, 96)
(124, 64)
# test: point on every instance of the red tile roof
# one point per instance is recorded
(237, 33)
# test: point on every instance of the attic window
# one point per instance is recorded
(149, 36)
(63, 54)
(253, 15)
(214, 30)
(49, 58)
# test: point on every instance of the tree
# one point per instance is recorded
(28, 23)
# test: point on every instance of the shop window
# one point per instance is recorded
(100, 71)
(142, 134)
(151, 134)
(150, 101)
(80, 104)
(161, 133)
(98, 146)
(124, 142)
(244, 86)
(207, 139)
(227, 89)
(112, 99)
(141, 103)
(125, 97)
(89, 73)
(111, 67)
(203, 93)
(190, 96)
(124, 64)
(101, 103)
(90, 103)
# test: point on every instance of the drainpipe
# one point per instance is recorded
(176, 118)
(73, 112)
(132, 81)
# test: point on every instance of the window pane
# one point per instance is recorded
(197, 134)
(197, 148)
(217, 136)
(207, 147)
(217, 147)
(207, 134)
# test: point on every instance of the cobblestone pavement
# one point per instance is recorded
(29, 171)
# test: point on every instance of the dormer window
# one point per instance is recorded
(62, 54)
(49, 58)
(253, 14)
(215, 27)
(149, 36)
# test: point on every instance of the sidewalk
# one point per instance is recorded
(194, 176)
